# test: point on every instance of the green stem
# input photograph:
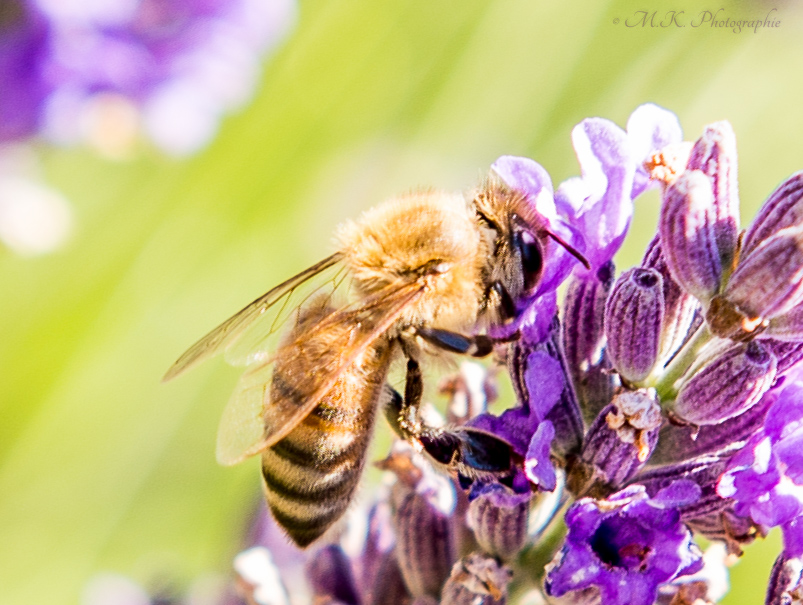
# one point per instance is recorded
(531, 562)
(664, 384)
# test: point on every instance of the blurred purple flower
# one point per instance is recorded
(99, 70)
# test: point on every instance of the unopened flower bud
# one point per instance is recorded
(499, 520)
(681, 310)
(788, 354)
(623, 436)
(331, 576)
(736, 531)
(388, 585)
(688, 233)
(728, 385)
(703, 471)
(680, 443)
(424, 539)
(769, 281)
(782, 209)
(634, 317)
(477, 579)
(714, 154)
(787, 327)
(584, 339)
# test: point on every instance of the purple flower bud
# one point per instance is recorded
(477, 579)
(424, 540)
(330, 575)
(680, 443)
(782, 209)
(626, 545)
(728, 385)
(379, 541)
(769, 281)
(788, 354)
(714, 154)
(498, 517)
(388, 585)
(623, 436)
(681, 310)
(787, 327)
(786, 581)
(704, 472)
(584, 339)
(688, 233)
(728, 527)
(634, 315)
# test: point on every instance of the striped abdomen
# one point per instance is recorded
(310, 476)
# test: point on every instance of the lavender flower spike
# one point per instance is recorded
(626, 545)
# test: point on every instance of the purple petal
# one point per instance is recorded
(793, 537)
(545, 383)
(600, 199)
(530, 178)
(650, 128)
(537, 464)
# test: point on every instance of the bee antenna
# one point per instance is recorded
(569, 248)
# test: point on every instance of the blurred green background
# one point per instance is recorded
(102, 467)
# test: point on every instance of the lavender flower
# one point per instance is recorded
(766, 476)
(653, 408)
(626, 546)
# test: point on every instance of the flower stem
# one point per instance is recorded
(664, 383)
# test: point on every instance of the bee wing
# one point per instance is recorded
(253, 421)
(243, 336)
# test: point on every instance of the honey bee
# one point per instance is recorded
(419, 275)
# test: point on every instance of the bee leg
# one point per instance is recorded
(464, 449)
(402, 412)
(479, 345)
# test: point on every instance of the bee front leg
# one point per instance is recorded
(402, 412)
(479, 345)
(464, 449)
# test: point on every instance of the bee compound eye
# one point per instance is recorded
(532, 258)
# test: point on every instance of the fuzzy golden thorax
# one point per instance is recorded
(429, 237)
